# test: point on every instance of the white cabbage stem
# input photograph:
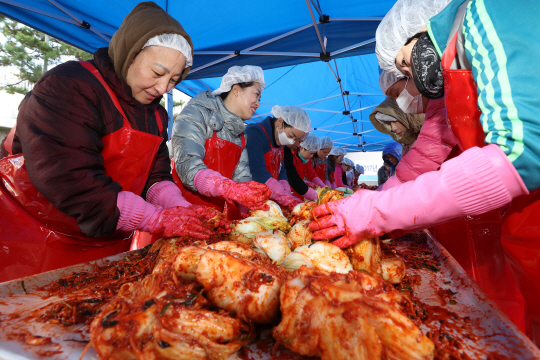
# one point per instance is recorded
(246, 229)
(273, 211)
(299, 235)
(321, 256)
(393, 270)
(272, 243)
(366, 255)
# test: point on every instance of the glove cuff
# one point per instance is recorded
(311, 195)
(166, 194)
(285, 185)
(482, 180)
(318, 182)
(210, 183)
(275, 186)
(134, 211)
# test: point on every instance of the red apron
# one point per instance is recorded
(35, 236)
(520, 228)
(221, 156)
(320, 169)
(300, 168)
(273, 158)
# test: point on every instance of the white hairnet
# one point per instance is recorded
(173, 41)
(387, 79)
(293, 116)
(405, 19)
(383, 117)
(240, 74)
(359, 168)
(326, 142)
(338, 151)
(348, 162)
(312, 143)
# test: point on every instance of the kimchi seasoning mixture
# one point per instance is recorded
(443, 324)
(84, 294)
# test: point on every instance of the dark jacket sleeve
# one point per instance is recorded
(60, 129)
(295, 181)
(256, 147)
(162, 167)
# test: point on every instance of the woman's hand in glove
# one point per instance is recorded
(178, 221)
(339, 218)
(212, 216)
(285, 200)
(250, 194)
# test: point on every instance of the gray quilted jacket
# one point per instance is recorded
(197, 122)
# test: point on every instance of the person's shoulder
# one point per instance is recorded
(254, 129)
(69, 69)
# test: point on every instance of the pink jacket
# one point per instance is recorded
(430, 150)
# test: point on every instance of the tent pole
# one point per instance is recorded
(316, 8)
(252, 47)
(39, 11)
(316, 27)
(81, 23)
(373, 18)
(352, 47)
(364, 108)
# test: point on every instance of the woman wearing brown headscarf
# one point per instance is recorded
(389, 119)
(87, 162)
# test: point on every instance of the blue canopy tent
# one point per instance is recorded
(304, 46)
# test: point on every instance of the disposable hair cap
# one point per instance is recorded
(293, 116)
(172, 41)
(326, 142)
(312, 143)
(240, 74)
(338, 151)
(404, 20)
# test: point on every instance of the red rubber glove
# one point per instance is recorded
(137, 214)
(178, 221)
(250, 194)
(212, 216)
(285, 200)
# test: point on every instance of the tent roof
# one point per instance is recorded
(276, 34)
(314, 88)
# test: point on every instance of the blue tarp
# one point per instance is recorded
(264, 33)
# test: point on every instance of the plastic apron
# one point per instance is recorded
(273, 158)
(221, 156)
(520, 229)
(35, 236)
(300, 168)
(320, 169)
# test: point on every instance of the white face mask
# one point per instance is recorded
(283, 139)
(410, 104)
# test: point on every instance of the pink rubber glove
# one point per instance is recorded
(250, 194)
(285, 200)
(166, 194)
(286, 185)
(318, 182)
(311, 195)
(390, 183)
(329, 184)
(275, 186)
(137, 214)
(479, 180)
